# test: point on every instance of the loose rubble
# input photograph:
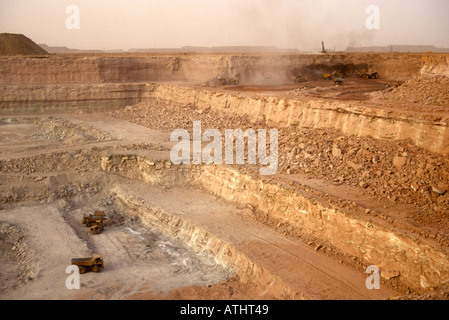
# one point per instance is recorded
(16, 257)
(392, 171)
(426, 90)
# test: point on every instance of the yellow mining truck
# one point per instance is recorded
(326, 76)
(94, 263)
(90, 219)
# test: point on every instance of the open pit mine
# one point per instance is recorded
(358, 207)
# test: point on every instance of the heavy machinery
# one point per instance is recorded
(91, 219)
(308, 86)
(394, 85)
(323, 50)
(338, 74)
(217, 82)
(97, 227)
(300, 78)
(228, 81)
(338, 80)
(373, 75)
(94, 263)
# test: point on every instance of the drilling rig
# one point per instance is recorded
(323, 50)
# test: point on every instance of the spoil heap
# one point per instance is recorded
(427, 90)
(17, 44)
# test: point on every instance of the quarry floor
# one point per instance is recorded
(47, 188)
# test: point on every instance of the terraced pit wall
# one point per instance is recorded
(402, 252)
(197, 68)
(64, 83)
(202, 241)
(70, 97)
(429, 131)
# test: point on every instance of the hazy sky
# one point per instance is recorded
(299, 24)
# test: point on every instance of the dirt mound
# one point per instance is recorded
(422, 90)
(17, 44)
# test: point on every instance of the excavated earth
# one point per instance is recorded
(362, 177)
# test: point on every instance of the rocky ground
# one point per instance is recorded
(16, 258)
(426, 90)
(395, 172)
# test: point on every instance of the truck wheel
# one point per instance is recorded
(82, 269)
(96, 269)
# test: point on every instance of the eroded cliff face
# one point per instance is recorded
(251, 68)
(435, 65)
(70, 97)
